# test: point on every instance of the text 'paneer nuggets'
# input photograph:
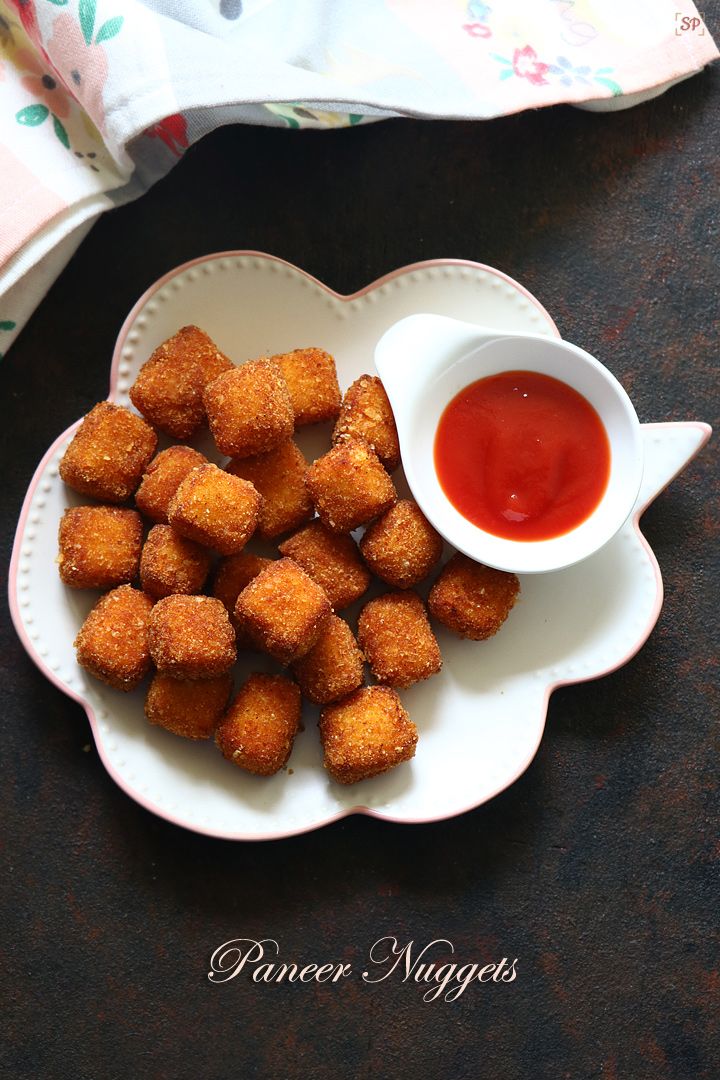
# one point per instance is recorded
(334, 666)
(99, 546)
(259, 728)
(113, 641)
(108, 453)
(189, 709)
(170, 563)
(279, 477)
(366, 414)
(312, 381)
(401, 547)
(282, 611)
(332, 560)
(366, 734)
(471, 599)
(349, 486)
(163, 477)
(216, 509)
(190, 637)
(396, 637)
(249, 409)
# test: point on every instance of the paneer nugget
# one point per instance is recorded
(113, 641)
(365, 734)
(189, 709)
(216, 509)
(279, 477)
(312, 381)
(333, 667)
(169, 386)
(233, 574)
(282, 611)
(190, 637)
(332, 560)
(170, 563)
(108, 454)
(401, 547)
(396, 637)
(472, 599)
(249, 409)
(349, 486)
(163, 477)
(99, 546)
(258, 730)
(366, 414)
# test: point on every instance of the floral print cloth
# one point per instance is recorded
(99, 98)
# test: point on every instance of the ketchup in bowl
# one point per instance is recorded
(522, 455)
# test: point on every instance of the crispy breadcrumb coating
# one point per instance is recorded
(401, 547)
(99, 546)
(258, 730)
(282, 611)
(170, 563)
(279, 477)
(312, 381)
(112, 643)
(472, 599)
(233, 574)
(366, 414)
(396, 637)
(349, 486)
(249, 409)
(365, 734)
(216, 509)
(332, 560)
(163, 477)
(333, 667)
(108, 454)
(189, 709)
(190, 637)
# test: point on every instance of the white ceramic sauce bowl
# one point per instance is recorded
(425, 360)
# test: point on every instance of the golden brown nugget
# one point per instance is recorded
(395, 634)
(349, 486)
(170, 563)
(113, 641)
(216, 509)
(163, 477)
(189, 709)
(99, 546)
(365, 734)
(311, 377)
(332, 560)
(190, 637)
(282, 611)
(233, 574)
(366, 414)
(108, 454)
(249, 409)
(472, 599)
(401, 547)
(169, 386)
(279, 477)
(258, 730)
(334, 666)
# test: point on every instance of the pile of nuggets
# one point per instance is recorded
(201, 518)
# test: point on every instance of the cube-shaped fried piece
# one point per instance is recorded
(401, 547)
(349, 486)
(471, 599)
(312, 381)
(395, 634)
(365, 734)
(99, 546)
(169, 386)
(216, 509)
(163, 477)
(282, 611)
(190, 637)
(279, 477)
(249, 409)
(108, 454)
(334, 666)
(113, 641)
(233, 574)
(258, 730)
(332, 560)
(189, 709)
(170, 563)
(366, 413)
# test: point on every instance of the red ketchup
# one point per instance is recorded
(522, 455)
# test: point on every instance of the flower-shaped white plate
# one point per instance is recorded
(481, 720)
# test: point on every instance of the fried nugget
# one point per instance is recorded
(163, 477)
(332, 560)
(472, 599)
(99, 546)
(108, 454)
(334, 665)
(279, 477)
(312, 381)
(366, 414)
(190, 637)
(189, 709)
(169, 386)
(216, 509)
(396, 637)
(233, 574)
(113, 641)
(282, 611)
(401, 547)
(258, 730)
(349, 486)
(170, 563)
(249, 409)
(365, 734)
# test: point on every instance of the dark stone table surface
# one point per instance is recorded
(599, 868)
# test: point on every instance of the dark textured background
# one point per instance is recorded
(599, 868)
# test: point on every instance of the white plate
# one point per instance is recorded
(482, 718)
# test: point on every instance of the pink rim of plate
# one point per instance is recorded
(52, 677)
